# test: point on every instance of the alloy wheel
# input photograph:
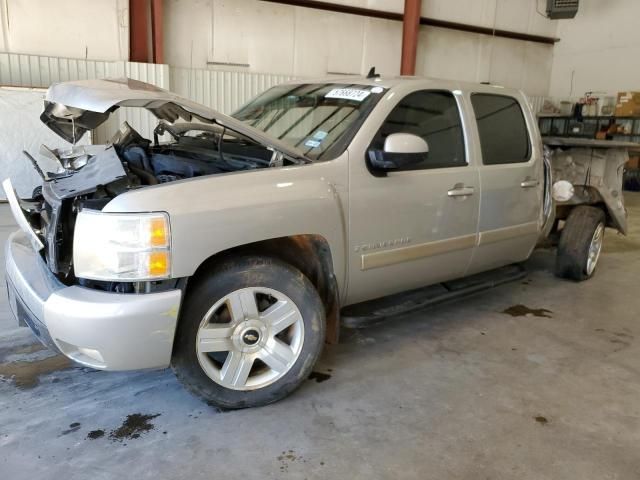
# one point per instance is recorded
(595, 247)
(250, 338)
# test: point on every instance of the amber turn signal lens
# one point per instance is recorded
(158, 232)
(159, 264)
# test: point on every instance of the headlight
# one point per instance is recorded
(122, 246)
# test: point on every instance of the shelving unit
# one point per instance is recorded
(567, 126)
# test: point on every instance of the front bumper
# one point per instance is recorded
(103, 330)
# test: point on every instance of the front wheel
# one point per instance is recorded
(580, 243)
(249, 333)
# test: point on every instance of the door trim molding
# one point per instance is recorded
(429, 249)
(414, 252)
(505, 233)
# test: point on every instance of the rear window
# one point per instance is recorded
(503, 131)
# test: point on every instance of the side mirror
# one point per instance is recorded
(401, 150)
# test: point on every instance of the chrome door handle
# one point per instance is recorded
(460, 191)
(529, 183)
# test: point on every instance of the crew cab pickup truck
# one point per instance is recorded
(227, 246)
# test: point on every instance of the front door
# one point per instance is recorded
(417, 226)
(512, 181)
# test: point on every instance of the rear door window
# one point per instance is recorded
(504, 137)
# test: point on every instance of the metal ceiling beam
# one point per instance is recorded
(410, 28)
(463, 27)
(139, 30)
(157, 32)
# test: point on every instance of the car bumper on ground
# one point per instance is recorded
(103, 330)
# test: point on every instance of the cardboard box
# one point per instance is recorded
(601, 135)
(628, 104)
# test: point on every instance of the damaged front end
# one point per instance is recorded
(87, 178)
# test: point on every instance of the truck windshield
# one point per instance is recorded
(319, 119)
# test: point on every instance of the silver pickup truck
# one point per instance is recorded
(227, 246)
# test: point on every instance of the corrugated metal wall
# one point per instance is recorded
(37, 71)
(225, 91)
(536, 103)
(19, 70)
(141, 120)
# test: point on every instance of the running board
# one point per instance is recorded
(369, 313)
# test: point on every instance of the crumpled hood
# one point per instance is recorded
(73, 108)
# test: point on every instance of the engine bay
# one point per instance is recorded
(194, 150)
(90, 176)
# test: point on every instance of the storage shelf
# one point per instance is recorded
(568, 126)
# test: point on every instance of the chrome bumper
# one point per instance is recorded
(103, 330)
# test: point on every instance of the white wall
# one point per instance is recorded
(303, 42)
(93, 29)
(599, 51)
(294, 41)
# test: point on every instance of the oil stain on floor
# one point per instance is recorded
(522, 311)
(95, 434)
(20, 350)
(134, 425)
(287, 458)
(541, 419)
(74, 427)
(26, 374)
(319, 377)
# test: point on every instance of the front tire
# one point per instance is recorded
(249, 334)
(580, 243)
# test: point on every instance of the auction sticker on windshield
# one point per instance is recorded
(348, 94)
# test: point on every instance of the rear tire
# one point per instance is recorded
(250, 333)
(580, 243)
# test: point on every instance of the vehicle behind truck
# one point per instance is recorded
(228, 246)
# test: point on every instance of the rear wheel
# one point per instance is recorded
(580, 243)
(249, 333)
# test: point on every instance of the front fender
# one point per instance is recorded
(218, 212)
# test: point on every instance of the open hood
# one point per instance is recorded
(72, 108)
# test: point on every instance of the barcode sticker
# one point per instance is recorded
(348, 94)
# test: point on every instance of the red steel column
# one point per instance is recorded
(410, 27)
(139, 31)
(157, 34)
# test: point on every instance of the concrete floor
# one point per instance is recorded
(461, 391)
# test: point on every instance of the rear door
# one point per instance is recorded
(511, 176)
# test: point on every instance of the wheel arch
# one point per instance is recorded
(587, 195)
(564, 210)
(309, 253)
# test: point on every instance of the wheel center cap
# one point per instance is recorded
(251, 337)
